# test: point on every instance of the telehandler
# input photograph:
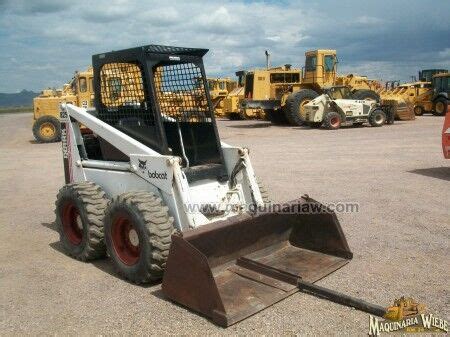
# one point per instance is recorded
(335, 107)
(152, 186)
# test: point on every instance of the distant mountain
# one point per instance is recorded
(23, 98)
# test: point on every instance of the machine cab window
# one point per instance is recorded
(83, 84)
(310, 63)
(329, 62)
(339, 93)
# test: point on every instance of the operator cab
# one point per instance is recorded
(159, 96)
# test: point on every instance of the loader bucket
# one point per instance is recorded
(231, 269)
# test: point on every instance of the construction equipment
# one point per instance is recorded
(264, 84)
(446, 135)
(153, 185)
(404, 307)
(425, 96)
(335, 107)
(320, 71)
(231, 103)
(219, 88)
(46, 126)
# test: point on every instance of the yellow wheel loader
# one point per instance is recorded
(320, 71)
(219, 88)
(46, 126)
(153, 187)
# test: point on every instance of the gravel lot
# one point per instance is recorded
(399, 237)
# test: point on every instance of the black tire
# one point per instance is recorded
(277, 117)
(80, 208)
(293, 103)
(144, 213)
(365, 94)
(332, 121)
(47, 123)
(418, 110)
(377, 118)
(440, 106)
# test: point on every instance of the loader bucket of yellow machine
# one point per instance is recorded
(231, 269)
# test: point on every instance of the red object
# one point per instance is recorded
(446, 135)
(127, 251)
(72, 225)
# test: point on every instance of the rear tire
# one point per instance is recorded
(332, 121)
(440, 106)
(138, 232)
(377, 118)
(294, 104)
(365, 94)
(47, 129)
(418, 110)
(80, 208)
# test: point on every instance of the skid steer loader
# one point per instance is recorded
(152, 186)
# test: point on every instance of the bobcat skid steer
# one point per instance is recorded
(336, 107)
(152, 186)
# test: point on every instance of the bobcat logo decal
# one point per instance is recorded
(142, 164)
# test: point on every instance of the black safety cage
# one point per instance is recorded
(158, 95)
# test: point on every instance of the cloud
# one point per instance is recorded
(51, 39)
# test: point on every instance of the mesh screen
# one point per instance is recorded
(123, 95)
(180, 90)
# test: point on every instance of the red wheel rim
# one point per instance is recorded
(125, 240)
(72, 223)
(335, 122)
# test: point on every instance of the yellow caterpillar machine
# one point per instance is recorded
(219, 88)
(80, 92)
(431, 97)
(319, 72)
(231, 103)
(263, 84)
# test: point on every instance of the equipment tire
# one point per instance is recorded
(80, 208)
(295, 102)
(377, 118)
(138, 232)
(418, 110)
(47, 129)
(365, 94)
(332, 121)
(440, 106)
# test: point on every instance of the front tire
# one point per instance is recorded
(332, 121)
(293, 109)
(80, 208)
(377, 118)
(138, 232)
(418, 110)
(440, 106)
(47, 129)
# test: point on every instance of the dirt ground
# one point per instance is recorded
(399, 237)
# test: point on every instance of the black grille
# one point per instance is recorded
(181, 95)
(123, 98)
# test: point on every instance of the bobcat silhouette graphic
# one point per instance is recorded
(142, 164)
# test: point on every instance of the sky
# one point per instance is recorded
(42, 42)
